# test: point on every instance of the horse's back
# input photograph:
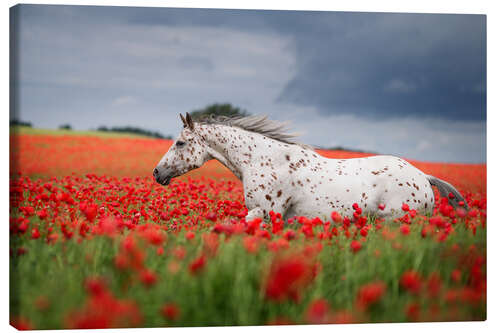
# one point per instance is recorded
(382, 179)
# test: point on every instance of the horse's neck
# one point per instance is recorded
(236, 148)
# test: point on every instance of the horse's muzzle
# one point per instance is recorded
(162, 180)
(166, 181)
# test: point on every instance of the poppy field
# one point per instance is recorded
(95, 242)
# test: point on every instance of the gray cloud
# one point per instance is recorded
(370, 64)
(392, 65)
(196, 62)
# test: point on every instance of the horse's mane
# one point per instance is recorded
(258, 124)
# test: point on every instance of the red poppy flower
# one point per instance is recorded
(411, 281)
(148, 278)
(369, 294)
(288, 275)
(170, 311)
(318, 312)
(355, 246)
(197, 265)
(404, 229)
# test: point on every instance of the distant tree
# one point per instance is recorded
(66, 127)
(341, 148)
(216, 109)
(17, 122)
(134, 130)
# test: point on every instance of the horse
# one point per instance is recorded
(282, 176)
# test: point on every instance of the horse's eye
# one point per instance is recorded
(180, 143)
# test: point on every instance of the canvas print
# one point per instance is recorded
(225, 167)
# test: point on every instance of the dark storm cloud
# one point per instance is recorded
(395, 65)
(370, 64)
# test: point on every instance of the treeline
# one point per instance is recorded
(134, 130)
(341, 148)
(17, 122)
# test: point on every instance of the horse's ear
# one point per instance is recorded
(183, 120)
(189, 121)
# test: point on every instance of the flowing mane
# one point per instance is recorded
(258, 124)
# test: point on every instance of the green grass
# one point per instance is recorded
(229, 290)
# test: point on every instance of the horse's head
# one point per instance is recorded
(188, 152)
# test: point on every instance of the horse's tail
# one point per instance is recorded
(445, 189)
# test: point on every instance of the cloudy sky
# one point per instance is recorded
(412, 85)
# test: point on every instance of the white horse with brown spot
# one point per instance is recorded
(285, 177)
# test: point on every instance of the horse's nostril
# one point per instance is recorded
(155, 172)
